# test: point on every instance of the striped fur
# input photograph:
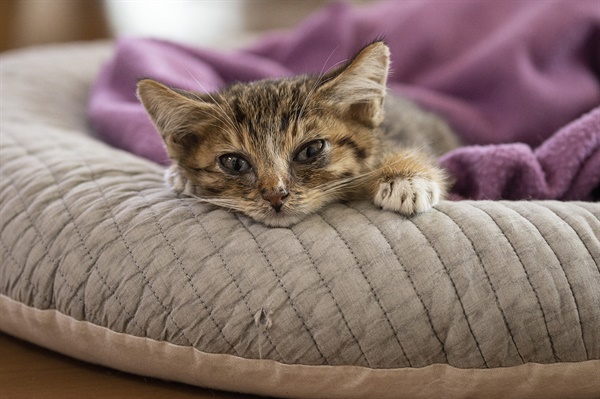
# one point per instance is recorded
(268, 124)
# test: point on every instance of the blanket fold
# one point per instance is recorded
(518, 80)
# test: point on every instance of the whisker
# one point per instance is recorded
(138, 224)
(231, 203)
(359, 179)
(228, 120)
(316, 83)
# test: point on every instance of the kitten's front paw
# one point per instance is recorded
(408, 195)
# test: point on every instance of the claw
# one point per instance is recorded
(394, 195)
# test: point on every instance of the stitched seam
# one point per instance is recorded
(328, 288)
(178, 260)
(284, 289)
(45, 246)
(584, 209)
(34, 290)
(487, 276)
(355, 260)
(362, 271)
(230, 273)
(564, 219)
(455, 291)
(412, 283)
(72, 220)
(130, 252)
(20, 276)
(564, 273)
(396, 334)
(189, 279)
(537, 297)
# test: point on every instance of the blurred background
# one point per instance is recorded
(202, 22)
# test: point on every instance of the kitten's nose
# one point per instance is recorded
(275, 198)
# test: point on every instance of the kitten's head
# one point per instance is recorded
(275, 150)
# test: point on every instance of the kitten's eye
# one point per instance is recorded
(234, 163)
(309, 151)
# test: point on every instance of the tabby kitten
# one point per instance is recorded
(278, 150)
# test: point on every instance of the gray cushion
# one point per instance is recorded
(91, 235)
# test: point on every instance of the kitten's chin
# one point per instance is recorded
(281, 219)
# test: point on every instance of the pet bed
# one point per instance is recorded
(100, 262)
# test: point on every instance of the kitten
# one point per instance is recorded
(278, 150)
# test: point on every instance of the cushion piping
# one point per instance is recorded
(144, 356)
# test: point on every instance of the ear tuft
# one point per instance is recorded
(360, 86)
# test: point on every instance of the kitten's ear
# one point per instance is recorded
(359, 87)
(178, 118)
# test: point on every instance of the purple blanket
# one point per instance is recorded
(519, 81)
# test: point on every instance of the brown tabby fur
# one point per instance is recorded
(267, 122)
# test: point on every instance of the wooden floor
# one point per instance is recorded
(31, 372)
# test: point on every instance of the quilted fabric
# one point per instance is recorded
(92, 233)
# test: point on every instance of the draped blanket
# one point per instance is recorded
(519, 82)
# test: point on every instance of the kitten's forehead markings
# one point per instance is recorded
(316, 83)
(227, 120)
(276, 162)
